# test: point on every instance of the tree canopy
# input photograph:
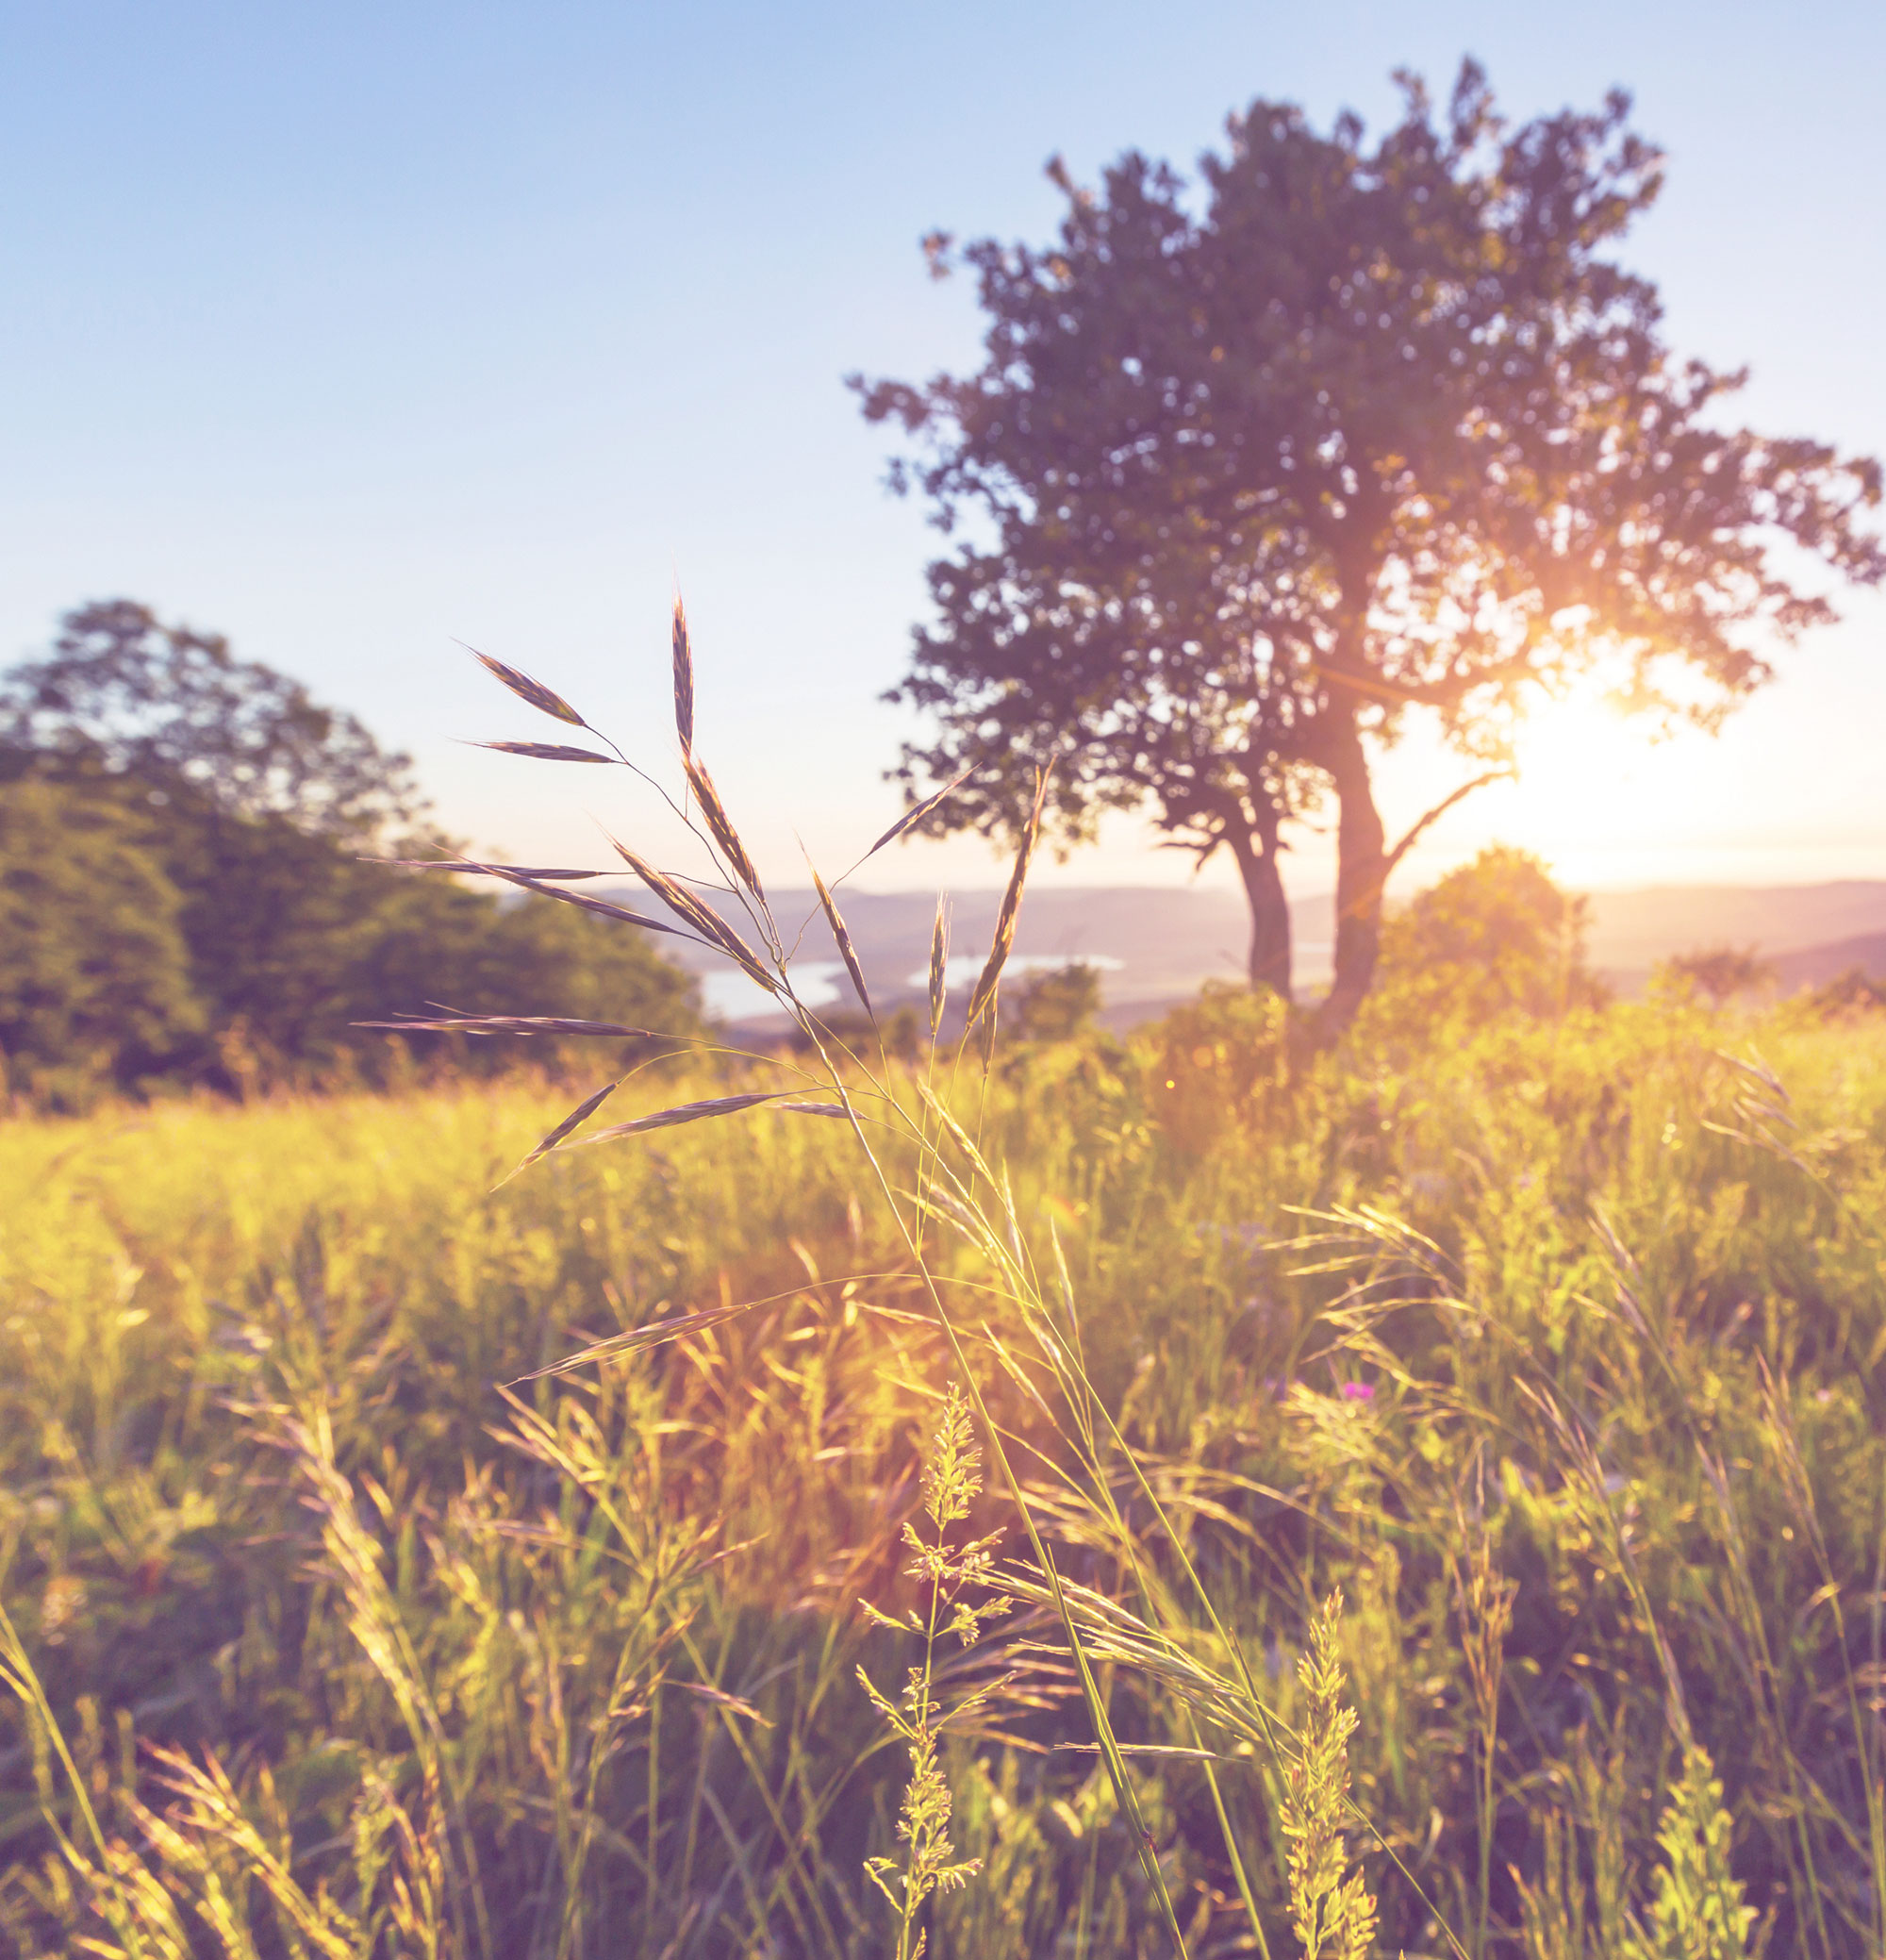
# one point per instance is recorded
(185, 895)
(1253, 473)
(169, 704)
(94, 971)
(1495, 938)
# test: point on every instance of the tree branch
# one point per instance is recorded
(1440, 810)
(1444, 694)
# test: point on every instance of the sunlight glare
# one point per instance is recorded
(1602, 797)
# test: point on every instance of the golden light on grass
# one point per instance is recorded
(573, 1668)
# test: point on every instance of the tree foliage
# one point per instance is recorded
(1719, 971)
(1351, 433)
(1496, 937)
(94, 973)
(185, 893)
(167, 704)
(1056, 1005)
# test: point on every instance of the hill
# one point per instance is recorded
(1157, 944)
(1798, 926)
(1815, 966)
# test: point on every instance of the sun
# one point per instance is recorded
(1602, 797)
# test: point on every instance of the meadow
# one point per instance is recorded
(1553, 1345)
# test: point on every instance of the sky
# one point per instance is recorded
(360, 333)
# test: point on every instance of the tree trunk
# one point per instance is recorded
(1361, 868)
(1256, 855)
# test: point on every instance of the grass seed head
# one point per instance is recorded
(697, 911)
(725, 836)
(982, 998)
(522, 684)
(583, 1111)
(916, 814)
(684, 682)
(1331, 1911)
(953, 1470)
(842, 938)
(544, 750)
(939, 964)
(601, 907)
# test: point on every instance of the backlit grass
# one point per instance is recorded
(1557, 1347)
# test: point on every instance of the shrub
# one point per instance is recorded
(1497, 937)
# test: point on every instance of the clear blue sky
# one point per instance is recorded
(353, 330)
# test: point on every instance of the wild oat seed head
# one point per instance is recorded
(541, 698)
(684, 682)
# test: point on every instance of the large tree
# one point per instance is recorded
(1255, 471)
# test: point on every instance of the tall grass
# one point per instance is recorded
(1554, 1346)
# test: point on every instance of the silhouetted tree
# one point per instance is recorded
(1358, 431)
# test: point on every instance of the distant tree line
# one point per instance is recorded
(185, 888)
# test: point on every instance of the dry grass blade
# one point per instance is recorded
(652, 1335)
(684, 682)
(990, 978)
(726, 836)
(697, 911)
(939, 964)
(737, 1705)
(917, 814)
(835, 1109)
(544, 750)
(847, 952)
(533, 691)
(458, 864)
(684, 1113)
(509, 1025)
(582, 1113)
(599, 905)
(18, 1676)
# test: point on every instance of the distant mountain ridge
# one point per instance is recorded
(1157, 944)
(1632, 930)
(1815, 966)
